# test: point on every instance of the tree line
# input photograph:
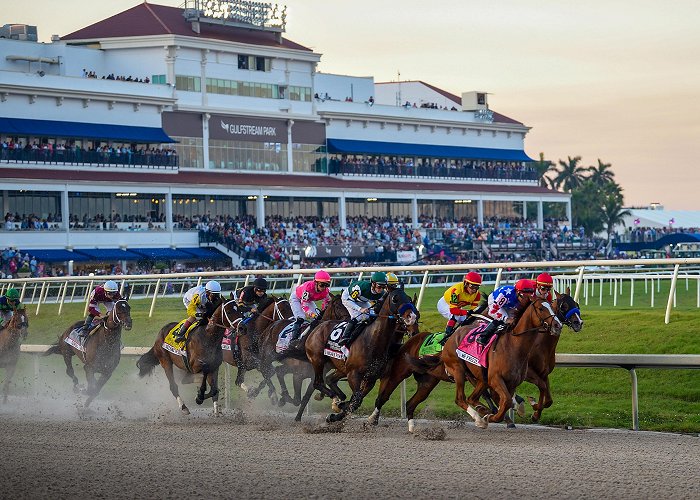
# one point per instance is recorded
(596, 198)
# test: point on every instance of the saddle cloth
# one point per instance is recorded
(471, 351)
(332, 349)
(431, 345)
(227, 341)
(285, 336)
(77, 342)
(172, 345)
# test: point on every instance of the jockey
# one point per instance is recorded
(392, 281)
(503, 302)
(358, 298)
(249, 301)
(9, 303)
(201, 302)
(304, 297)
(458, 302)
(545, 285)
(106, 294)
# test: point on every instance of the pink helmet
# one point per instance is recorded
(322, 276)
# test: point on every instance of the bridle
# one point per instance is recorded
(115, 317)
(225, 317)
(544, 327)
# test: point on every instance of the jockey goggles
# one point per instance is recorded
(323, 284)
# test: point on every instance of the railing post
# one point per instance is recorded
(24, 287)
(247, 280)
(155, 296)
(87, 298)
(41, 294)
(63, 297)
(697, 300)
(635, 400)
(577, 294)
(600, 293)
(422, 290)
(652, 292)
(672, 293)
(615, 294)
(498, 278)
(632, 292)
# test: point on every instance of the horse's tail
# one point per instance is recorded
(54, 349)
(424, 364)
(147, 363)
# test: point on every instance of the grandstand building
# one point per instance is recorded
(112, 134)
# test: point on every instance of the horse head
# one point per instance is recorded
(120, 315)
(335, 311)
(19, 322)
(568, 311)
(225, 316)
(398, 304)
(539, 315)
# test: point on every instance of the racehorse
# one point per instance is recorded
(11, 336)
(368, 355)
(203, 347)
(507, 359)
(541, 361)
(102, 348)
(428, 375)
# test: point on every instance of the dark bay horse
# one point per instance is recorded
(542, 356)
(507, 360)
(428, 374)
(11, 337)
(102, 348)
(369, 354)
(204, 355)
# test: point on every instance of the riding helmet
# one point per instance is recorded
(379, 278)
(322, 276)
(473, 278)
(111, 286)
(260, 283)
(12, 294)
(213, 286)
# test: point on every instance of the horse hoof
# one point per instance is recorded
(535, 418)
(198, 400)
(319, 396)
(520, 409)
(185, 410)
(334, 417)
(511, 425)
(336, 405)
(531, 400)
(411, 426)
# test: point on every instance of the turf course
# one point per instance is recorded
(583, 397)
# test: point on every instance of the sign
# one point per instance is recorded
(241, 128)
(257, 14)
(406, 256)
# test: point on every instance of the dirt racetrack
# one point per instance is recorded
(108, 453)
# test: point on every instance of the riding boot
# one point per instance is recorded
(349, 328)
(486, 335)
(180, 334)
(85, 329)
(448, 333)
(297, 329)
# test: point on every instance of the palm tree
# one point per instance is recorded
(543, 167)
(602, 174)
(570, 175)
(613, 212)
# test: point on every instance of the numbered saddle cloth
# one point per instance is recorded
(431, 345)
(172, 345)
(285, 336)
(332, 349)
(471, 351)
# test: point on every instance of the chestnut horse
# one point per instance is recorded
(102, 348)
(369, 354)
(507, 360)
(11, 336)
(204, 355)
(428, 374)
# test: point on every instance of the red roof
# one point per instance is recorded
(497, 117)
(148, 19)
(328, 184)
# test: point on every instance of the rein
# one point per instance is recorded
(543, 327)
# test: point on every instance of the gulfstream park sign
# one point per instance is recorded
(241, 129)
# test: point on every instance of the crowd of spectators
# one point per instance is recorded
(15, 264)
(24, 222)
(111, 76)
(70, 152)
(648, 234)
(406, 167)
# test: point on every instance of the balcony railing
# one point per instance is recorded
(159, 161)
(389, 170)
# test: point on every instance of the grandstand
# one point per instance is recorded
(160, 130)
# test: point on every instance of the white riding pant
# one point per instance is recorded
(298, 311)
(444, 309)
(355, 307)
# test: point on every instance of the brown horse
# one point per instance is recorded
(428, 374)
(542, 356)
(102, 348)
(369, 354)
(204, 355)
(507, 360)
(11, 336)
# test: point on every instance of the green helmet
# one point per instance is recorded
(379, 277)
(12, 294)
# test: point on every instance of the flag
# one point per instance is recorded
(672, 221)
(637, 222)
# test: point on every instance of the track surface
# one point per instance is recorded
(110, 454)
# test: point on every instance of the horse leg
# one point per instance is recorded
(90, 378)
(504, 396)
(493, 408)
(68, 359)
(387, 386)
(319, 384)
(167, 365)
(202, 389)
(97, 387)
(213, 379)
(305, 401)
(281, 371)
(360, 386)
(426, 384)
(240, 379)
(9, 372)
(468, 404)
(332, 380)
(542, 385)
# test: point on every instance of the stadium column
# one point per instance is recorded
(568, 212)
(6, 202)
(540, 215)
(480, 211)
(525, 210)
(169, 214)
(65, 215)
(414, 211)
(290, 149)
(342, 213)
(260, 210)
(205, 139)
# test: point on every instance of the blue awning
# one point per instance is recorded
(108, 254)
(347, 146)
(55, 255)
(79, 130)
(161, 254)
(205, 253)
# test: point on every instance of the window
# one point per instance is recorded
(158, 80)
(188, 83)
(242, 62)
(254, 63)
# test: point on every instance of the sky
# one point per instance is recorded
(601, 79)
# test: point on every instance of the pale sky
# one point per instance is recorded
(607, 79)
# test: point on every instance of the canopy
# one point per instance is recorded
(55, 255)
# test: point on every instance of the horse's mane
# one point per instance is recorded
(267, 301)
(519, 313)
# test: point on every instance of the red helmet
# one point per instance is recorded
(473, 278)
(524, 286)
(322, 276)
(545, 279)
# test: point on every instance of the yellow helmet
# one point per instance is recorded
(392, 280)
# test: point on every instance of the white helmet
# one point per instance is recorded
(111, 287)
(213, 286)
